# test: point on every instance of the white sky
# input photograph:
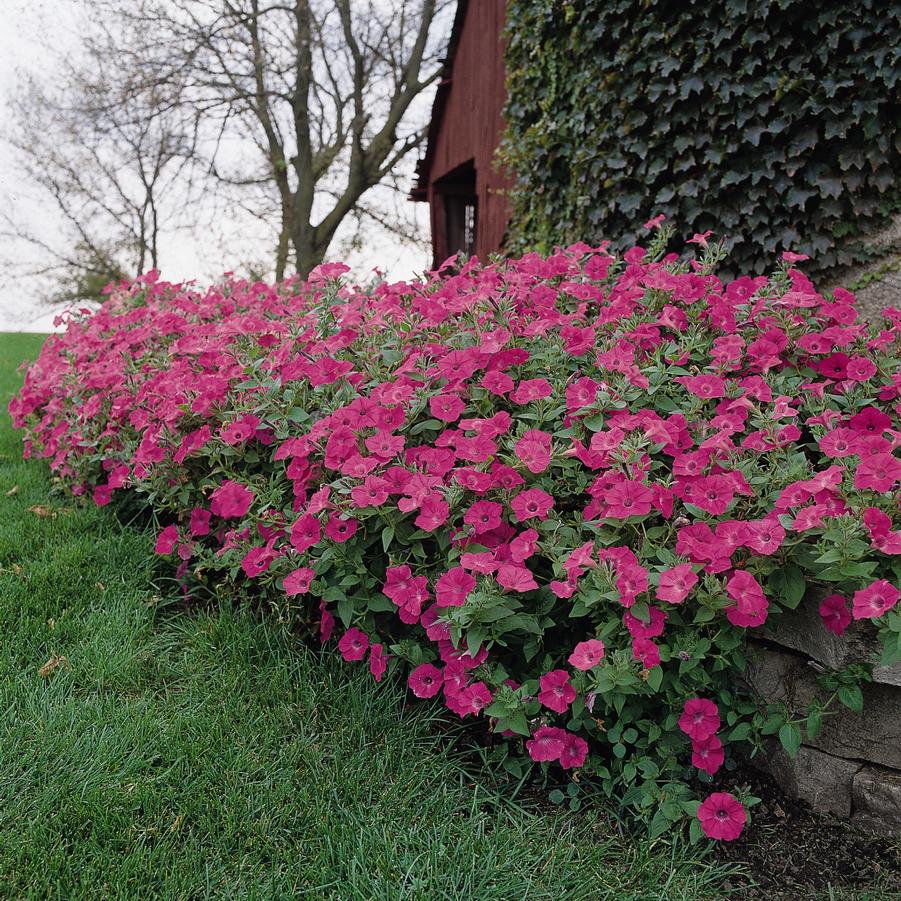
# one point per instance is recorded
(24, 29)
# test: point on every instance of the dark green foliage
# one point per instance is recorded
(776, 123)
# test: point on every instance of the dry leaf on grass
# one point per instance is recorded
(53, 664)
(13, 491)
(42, 510)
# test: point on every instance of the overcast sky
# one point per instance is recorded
(32, 36)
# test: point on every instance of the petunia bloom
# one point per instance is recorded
(835, 614)
(556, 691)
(353, 644)
(722, 817)
(231, 500)
(298, 582)
(700, 719)
(425, 681)
(875, 600)
(587, 654)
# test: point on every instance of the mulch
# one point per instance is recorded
(794, 854)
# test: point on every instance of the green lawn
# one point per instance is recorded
(175, 755)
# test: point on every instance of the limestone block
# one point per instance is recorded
(873, 737)
(823, 781)
(876, 799)
(802, 630)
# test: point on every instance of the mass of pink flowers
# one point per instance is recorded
(555, 492)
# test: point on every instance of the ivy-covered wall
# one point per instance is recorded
(775, 123)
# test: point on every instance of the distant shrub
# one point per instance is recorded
(558, 492)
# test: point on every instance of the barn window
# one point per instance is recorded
(461, 209)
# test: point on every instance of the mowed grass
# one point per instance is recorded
(165, 754)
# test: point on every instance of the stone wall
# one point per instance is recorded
(852, 768)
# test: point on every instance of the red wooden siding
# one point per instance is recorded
(467, 124)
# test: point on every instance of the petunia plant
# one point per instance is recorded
(558, 493)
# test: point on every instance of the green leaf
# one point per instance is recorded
(387, 537)
(814, 723)
(852, 697)
(789, 585)
(790, 738)
(655, 678)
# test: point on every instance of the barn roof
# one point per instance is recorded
(424, 164)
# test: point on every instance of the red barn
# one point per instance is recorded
(459, 176)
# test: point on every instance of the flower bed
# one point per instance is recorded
(556, 492)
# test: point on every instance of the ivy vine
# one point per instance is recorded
(774, 122)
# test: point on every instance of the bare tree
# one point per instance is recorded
(114, 165)
(322, 90)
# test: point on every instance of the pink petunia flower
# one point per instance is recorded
(587, 654)
(231, 500)
(433, 512)
(305, 533)
(546, 744)
(515, 577)
(534, 450)
(452, 588)
(446, 407)
(199, 523)
(425, 681)
(483, 516)
(166, 541)
(722, 817)
(875, 600)
(700, 719)
(879, 472)
(298, 582)
(676, 583)
(574, 752)
(340, 528)
(469, 700)
(646, 651)
(556, 691)
(835, 614)
(533, 503)
(326, 623)
(707, 754)
(353, 644)
(378, 662)
(627, 498)
(531, 389)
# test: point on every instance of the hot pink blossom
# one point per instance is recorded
(298, 582)
(835, 614)
(707, 754)
(378, 662)
(574, 752)
(875, 600)
(425, 681)
(340, 528)
(722, 817)
(587, 654)
(534, 450)
(483, 516)
(533, 503)
(166, 541)
(353, 644)
(231, 500)
(546, 744)
(676, 583)
(700, 719)
(452, 589)
(556, 691)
